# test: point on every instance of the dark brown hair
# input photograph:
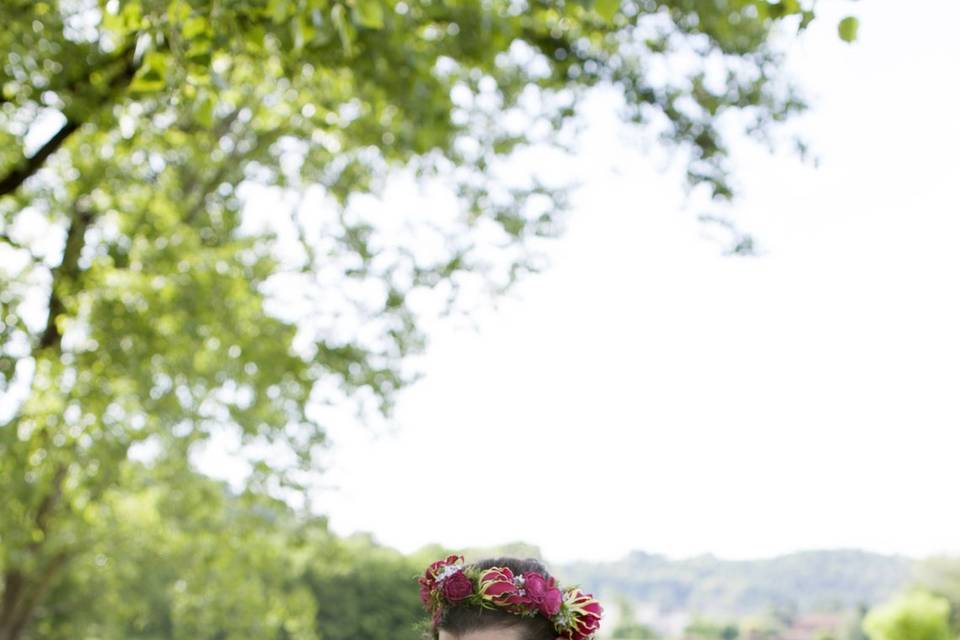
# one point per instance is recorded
(461, 619)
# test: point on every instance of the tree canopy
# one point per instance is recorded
(142, 310)
(916, 615)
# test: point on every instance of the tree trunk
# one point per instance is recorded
(18, 608)
(22, 593)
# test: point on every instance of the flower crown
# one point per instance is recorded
(575, 615)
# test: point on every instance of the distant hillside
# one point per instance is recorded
(799, 582)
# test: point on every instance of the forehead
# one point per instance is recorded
(487, 634)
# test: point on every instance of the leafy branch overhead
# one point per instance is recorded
(191, 250)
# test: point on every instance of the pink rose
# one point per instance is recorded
(457, 587)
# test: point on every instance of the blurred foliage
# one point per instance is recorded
(191, 563)
(144, 310)
(924, 609)
(202, 562)
(915, 615)
(781, 586)
(362, 591)
(854, 628)
(634, 631)
(711, 630)
(761, 627)
(940, 575)
(628, 627)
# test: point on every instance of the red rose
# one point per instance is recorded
(552, 599)
(428, 582)
(457, 587)
(535, 584)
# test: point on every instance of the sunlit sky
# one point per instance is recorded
(646, 392)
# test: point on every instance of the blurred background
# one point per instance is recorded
(298, 296)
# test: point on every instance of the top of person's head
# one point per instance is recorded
(458, 620)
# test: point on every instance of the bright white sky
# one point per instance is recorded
(648, 393)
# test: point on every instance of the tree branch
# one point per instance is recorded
(65, 274)
(13, 626)
(50, 501)
(28, 166)
(12, 181)
(20, 598)
(12, 586)
(236, 160)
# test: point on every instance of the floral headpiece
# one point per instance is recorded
(575, 615)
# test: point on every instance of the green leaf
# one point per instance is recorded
(791, 7)
(278, 10)
(368, 13)
(848, 28)
(204, 111)
(132, 14)
(196, 26)
(113, 22)
(340, 22)
(152, 75)
(178, 11)
(607, 8)
(199, 51)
